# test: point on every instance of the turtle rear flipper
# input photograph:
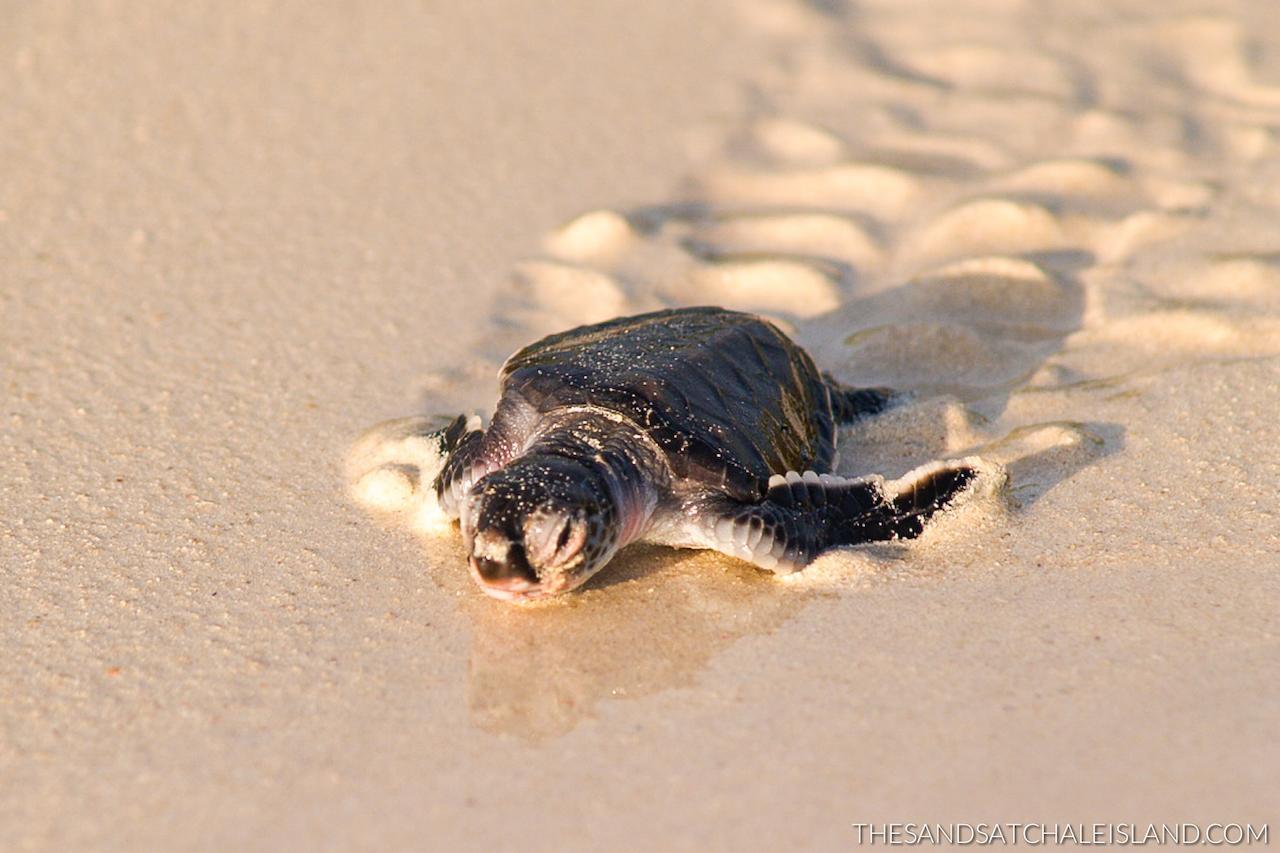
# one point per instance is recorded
(852, 404)
(803, 515)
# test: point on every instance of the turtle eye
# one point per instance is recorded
(553, 539)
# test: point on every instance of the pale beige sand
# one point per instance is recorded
(232, 240)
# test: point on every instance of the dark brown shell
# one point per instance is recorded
(727, 396)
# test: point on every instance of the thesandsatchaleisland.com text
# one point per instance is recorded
(1060, 834)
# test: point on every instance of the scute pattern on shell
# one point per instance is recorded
(727, 396)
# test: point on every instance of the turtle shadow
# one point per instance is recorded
(975, 330)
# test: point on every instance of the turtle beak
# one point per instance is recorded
(501, 569)
(519, 589)
(510, 588)
(512, 579)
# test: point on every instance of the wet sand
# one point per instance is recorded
(234, 241)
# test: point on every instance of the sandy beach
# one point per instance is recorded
(234, 238)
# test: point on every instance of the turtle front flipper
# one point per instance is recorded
(803, 515)
(396, 465)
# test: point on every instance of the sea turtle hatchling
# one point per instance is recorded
(692, 427)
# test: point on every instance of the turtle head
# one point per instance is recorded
(539, 527)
